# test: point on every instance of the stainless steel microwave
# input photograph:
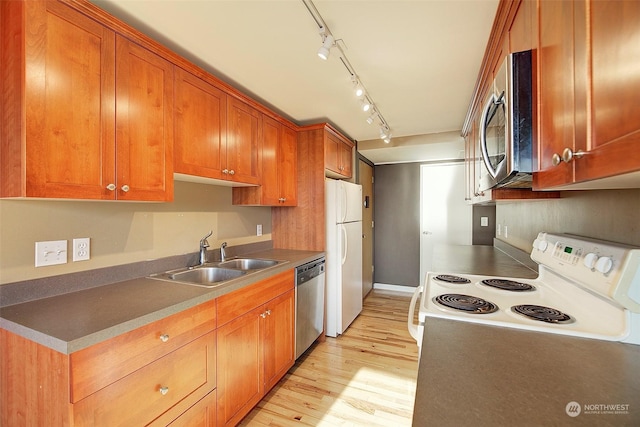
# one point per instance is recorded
(506, 126)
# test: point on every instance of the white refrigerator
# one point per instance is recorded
(343, 254)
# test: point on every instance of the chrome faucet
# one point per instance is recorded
(204, 244)
(222, 254)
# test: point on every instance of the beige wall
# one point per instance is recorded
(604, 214)
(123, 232)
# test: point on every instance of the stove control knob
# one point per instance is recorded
(540, 245)
(604, 264)
(590, 260)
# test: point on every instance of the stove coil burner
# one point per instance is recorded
(467, 303)
(541, 313)
(452, 279)
(508, 285)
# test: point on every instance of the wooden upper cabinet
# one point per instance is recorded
(523, 32)
(244, 154)
(66, 145)
(587, 106)
(338, 155)
(555, 92)
(201, 127)
(614, 143)
(144, 124)
(279, 169)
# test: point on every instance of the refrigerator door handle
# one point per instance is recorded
(344, 205)
(345, 243)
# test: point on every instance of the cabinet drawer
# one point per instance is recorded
(141, 397)
(246, 299)
(96, 367)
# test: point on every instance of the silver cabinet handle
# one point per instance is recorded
(556, 159)
(125, 188)
(263, 315)
(111, 187)
(232, 172)
(164, 337)
(268, 312)
(225, 171)
(568, 155)
(164, 390)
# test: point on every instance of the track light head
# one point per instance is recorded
(358, 89)
(327, 43)
(385, 133)
(372, 117)
(365, 104)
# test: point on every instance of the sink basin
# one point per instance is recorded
(204, 276)
(248, 263)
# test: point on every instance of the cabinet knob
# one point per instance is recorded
(556, 159)
(125, 188)
(164, 337)
(111, 187)
(225, 171)
(164, 390)
(268, 312)
(232, 172)
(263, 315)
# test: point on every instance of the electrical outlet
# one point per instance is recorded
(259, 230)
(51, 253)
(81, 249)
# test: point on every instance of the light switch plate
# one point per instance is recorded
(259, 230)
(51, 253)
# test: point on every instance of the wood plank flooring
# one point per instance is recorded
(365, 377)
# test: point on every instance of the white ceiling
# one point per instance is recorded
(418, 59)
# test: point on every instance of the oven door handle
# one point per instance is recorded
(413, 328)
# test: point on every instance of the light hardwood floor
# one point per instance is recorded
(365, 377)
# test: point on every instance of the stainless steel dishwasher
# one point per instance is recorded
(309, 304)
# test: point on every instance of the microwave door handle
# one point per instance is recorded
(490, 110)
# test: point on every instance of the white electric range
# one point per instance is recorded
(585, 287)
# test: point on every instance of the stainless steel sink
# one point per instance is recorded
(215, 274)
(207, 275)
(248, 263)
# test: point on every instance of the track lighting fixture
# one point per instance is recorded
(327, 43)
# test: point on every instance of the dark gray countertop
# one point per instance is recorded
(479, 375)
(73, 321)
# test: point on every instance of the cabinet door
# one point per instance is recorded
(332, 153)
(243, 142)
(240, 380)
(201, 127)
(144, 124)
(288, 167)
(202, 414)
(346, 159)
(278, 338)
(615, 84)
(69, 106)
(272, 133)
(556, 94)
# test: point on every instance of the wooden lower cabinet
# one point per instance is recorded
(202, 414)
(255, 346)
(173, 382)
(148, 376)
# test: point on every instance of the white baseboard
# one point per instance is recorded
(397, 288)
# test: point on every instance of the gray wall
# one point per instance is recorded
(397, 224)
(484, 235)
